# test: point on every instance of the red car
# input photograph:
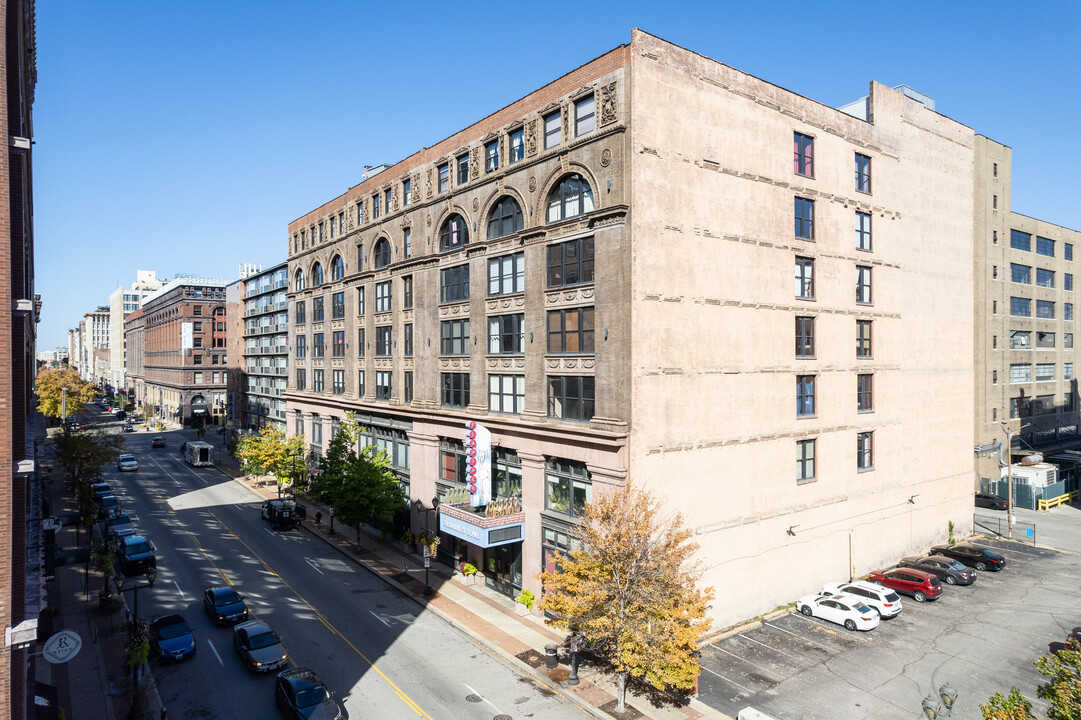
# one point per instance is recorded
(918, 584)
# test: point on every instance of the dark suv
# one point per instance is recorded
(135, 555)
(949, 571)
(916, 583)
(300, 694)
(972, 556)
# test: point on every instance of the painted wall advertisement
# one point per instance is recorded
(186, 337)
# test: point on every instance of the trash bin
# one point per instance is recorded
(551, 656)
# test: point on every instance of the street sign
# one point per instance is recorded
(427, 561)
(22, 634)
(62, 646)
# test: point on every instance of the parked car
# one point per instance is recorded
(157, 442)
(127, 463)
(949, 571)
(120, 526)
(972, 556)
(301, 695)
(988, 500)
(258, 646)
(918, 584)
(128, 427)
(842, 609)
(108, 505)
(172, 639)
(100, 490)
(135, 555)
(224, 606)
(882, 600)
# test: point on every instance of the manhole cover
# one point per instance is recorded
(474, 698)
(502, 717)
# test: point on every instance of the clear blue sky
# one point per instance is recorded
(183, 137)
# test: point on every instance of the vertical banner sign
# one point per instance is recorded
(186, 341)
(478, 456)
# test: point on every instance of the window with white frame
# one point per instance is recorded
(506, 393)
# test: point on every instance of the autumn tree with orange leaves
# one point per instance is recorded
(630, 589)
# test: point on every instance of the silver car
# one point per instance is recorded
(126, 463)
(878, 598)
(258, 646)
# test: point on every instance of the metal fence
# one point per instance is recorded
(1024, 496)
(998, 525)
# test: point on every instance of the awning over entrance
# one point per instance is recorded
(461, 522)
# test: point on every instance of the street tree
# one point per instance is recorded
(630, 590)
(271, 453)
(50, 384)
(81, 455)
(1063, 691)
(1007, 707)
(360, 486)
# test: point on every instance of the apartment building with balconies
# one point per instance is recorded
(266, 348)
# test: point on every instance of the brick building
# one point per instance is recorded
(601, 275)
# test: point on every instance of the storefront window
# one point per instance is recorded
(506, 474)
(567, 487)
(556, 540)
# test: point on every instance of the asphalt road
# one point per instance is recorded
(376, 649)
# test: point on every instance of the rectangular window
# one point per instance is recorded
(302, 346)
(805, 337)
(865, 459)
(517, 145)
(805, 218)
(444, 177)
(301, 380)
(407, 197)
(863, 285)
(1067, 340)
(1044, 246)
(407, 292)
(317, 309)
(197, 327)
(865, 392)
(360, 384)
(375, 206)
(571, 397)
(455, 389)
(584, 120)
(1020, 240)
(317, 381)
(1020, 373)
(407, 242)
(407, 386)
(454, 284)
(1067, 371)
(338, 382)
(505, 334)
(321, 232)
(454, 337)
(1045, 278)
(1044, 405)
(382, 297)
(567, 490)
(1020, 307)
(1067, 281)
(319, 346)
(570, 331)
(805, 460)
(337, 305)
(863, 173)
(407, 340)
(341, 222)
(1067, 311)
(570, 263)
(333, 227)
(805, 395)
(383, 341)
(1045, 372)
(863, 231)
(1020, 407)
(338, 343)
(1067, 251)
(805, 278)
(463, 169)
(197, 341)
(1045, 309)
(360, 342)
(360, 301)
(506, 275)
(506, 393)
(803, 154)
(1020, 340)
(1020, 273)
(389, 197)
(360, 213)
(382, 384)
(863, 338)
(553, 130)
(491, 156)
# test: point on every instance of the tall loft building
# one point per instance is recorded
(601, 275)
(21, 584)
(266, 348)
(1025, 315)
(122, 302)
(180, 339)
(95, 334)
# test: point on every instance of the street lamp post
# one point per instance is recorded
(1009, 477)
(419, 507)
(933, 709)
(120, 580)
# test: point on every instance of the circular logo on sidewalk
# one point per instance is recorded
(62, 646)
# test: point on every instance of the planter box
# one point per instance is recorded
(469, 579)
(520, 609)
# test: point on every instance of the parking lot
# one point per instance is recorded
(980, 639)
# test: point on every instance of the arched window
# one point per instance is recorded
(337, 268)
(317, 275)
(381, 253)
(505, 219)
(454, 235)
(570, 198)
(298, 281)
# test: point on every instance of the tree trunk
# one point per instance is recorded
(621, 692)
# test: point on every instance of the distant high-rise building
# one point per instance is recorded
(122, 302)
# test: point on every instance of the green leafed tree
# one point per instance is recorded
(1063, 690)
(631, 590)
(271, 453)
(50, 384)
(85, 453)
(1007, 707)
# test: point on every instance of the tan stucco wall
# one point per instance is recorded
(714, 425)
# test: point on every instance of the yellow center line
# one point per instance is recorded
(326, 623)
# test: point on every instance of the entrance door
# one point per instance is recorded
(503, 569)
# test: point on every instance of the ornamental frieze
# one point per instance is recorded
(608, 103)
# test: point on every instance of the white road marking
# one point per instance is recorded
(215, 651)
(797, 635)
(770, 647)
(314, 567)
(269, 531)
(178, 588)
(737, 657)
(381, 620)
(722, 677)
(482, 698)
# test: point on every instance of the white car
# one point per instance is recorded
(847, 610)
(878, 598)
(127, 462)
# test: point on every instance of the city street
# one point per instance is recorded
(368, 642)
